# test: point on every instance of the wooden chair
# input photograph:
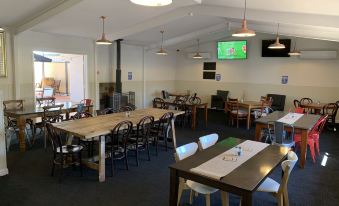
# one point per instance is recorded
(234, 112)
(180, 105)
(118, 143)
(194, 99)
(296, 103)
(159, 103)
(160, 130)
(181, 153)
(63, 154)
(56, 86)
(280, 190)
(139, 139)
(306, 101)
(45, 101)
(11, 126)
(331, 110)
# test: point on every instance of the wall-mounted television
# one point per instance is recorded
(266, 52)
(232, 50)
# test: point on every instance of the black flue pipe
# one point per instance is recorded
(118, 84)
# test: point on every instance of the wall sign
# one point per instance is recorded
(218, 77)
(284, 79)
(129, 77)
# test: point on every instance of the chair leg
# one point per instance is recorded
(147, 147)
(208, 199)
(53, 167)
(312, 152)
(112, 161)
(80, 164)
(286, 201)
(126, 159)
(156, 146)
(180, 190)
(137, 154)
(61, 169)
(317, 147)
(280, 200)
(224, 198)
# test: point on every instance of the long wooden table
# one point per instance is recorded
(242, 181)
(193, 109)
(33, 111)
(248, 105)
(317, 107)
(302, 125)
(100, 126)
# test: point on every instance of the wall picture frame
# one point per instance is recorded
(3, 69)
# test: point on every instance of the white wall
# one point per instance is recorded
(3, 161)
(76, 78)
(256, 76)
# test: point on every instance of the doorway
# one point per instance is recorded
(59, 75)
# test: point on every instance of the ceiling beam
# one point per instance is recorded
(45, 14)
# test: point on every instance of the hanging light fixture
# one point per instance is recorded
(294, 52)
(162, 51)
(1, 29)
(277, 44)
(103, 40)
(244, 31)
(197, 54)
(152, 2)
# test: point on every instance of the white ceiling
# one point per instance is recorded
(141, 25)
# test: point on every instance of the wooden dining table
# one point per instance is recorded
(302, 125)
(34, 111)
(242, 181)
(317, 107)
(99, 126)
(169, 102)
(248, 106)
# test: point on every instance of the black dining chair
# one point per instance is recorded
(63, 155)
(159, 103)
(117, 146)
(331, 110)
(296, 103)
(159, 132)
(126, 109)
(139, 139)
(105, 111)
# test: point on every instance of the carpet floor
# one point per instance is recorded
(29, 181)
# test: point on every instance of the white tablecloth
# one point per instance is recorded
(290, 118)
(226, 162)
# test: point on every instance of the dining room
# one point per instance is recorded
(182, 103)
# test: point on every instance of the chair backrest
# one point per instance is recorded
(319, 126)
(330, 109)
(278, 103)
(52, 113)
(13, 104)
(121, 131)
(194, 99)
(165, 94)
(232, 105)
(54, 137)
(287, 167)
(45, 100)
(179, 104)
(306, 100)
(164, 123)
(158, 103)
(208, 141)
(296, 103)
(144, 126)
(185, 151)
(48, 92)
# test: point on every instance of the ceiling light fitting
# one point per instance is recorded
(294, 52)
(152, 2)
(162, 51)
(2, 29)
(197, 54)
(244, 31)
(103, 40)
(277, 44)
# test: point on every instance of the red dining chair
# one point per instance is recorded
(299, 110)
(313, 137)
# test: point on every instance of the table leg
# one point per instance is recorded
(303, 147)
(102, 158)
(194, 116)
(22, 126)
(247, 199)
(206, 114)
(173, 133)
(248, 117)
(174, 184)
(258, 128)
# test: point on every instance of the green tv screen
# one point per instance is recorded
(232, 50)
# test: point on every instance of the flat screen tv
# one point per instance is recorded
(266, 52)
(232, 50)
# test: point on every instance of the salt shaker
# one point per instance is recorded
(239, 151)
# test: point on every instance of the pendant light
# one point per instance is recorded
(244, 31)
(294, 52)
(162, 51)
(152, 2)
(277, 44)
(1, 29)
(197, 54)
(103, 40)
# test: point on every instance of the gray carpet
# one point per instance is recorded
(30, 183)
